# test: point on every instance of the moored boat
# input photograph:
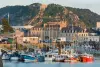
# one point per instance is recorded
(27, 58)
(49, 57)
(86, 57)
(60, 58)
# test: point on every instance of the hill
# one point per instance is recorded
(33, 14)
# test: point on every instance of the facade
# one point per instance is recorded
(32, 40)
(50, 32)
(36, 31)
(18, 35)
(61, 23)
(82, 36)
(94, 38)
(98, 25)
(43, 6)
(67, 32)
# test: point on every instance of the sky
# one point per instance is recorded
(93, 5)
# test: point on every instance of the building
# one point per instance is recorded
(36, 31)
(43, 6)
(18, 36)
(50, 32)
(94, 38)
(32, 40)
(70, 33)
(61, 23)
(82, 36)
(98, 25)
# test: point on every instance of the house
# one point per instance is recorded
(50, 32)
(36, 31)
(61, 24)
(94, 38)
(70, 33)
(18, 36)
(32, 40)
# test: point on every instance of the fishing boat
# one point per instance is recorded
(27, 58)
(86, 58)
(5, 56)
(49, 57)
(14, 56)
(60, 58)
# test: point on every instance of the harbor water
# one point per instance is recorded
(96, 63)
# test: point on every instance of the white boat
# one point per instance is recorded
(49, 57)
(5, 56)
(60, 58)
(14, 58)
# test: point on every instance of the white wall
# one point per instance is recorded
(94, 38)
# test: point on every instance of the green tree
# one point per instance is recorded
(6, 26)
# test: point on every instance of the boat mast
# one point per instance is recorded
(72, 31)
(8, 17)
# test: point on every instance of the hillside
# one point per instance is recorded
(20, 14)
(33, 15)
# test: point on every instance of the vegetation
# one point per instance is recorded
(53, 9)
(20, 15)
(6, 27)
(88, 17)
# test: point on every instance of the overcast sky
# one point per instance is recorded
(94, 5)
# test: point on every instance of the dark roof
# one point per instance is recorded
(75, 28)
(52, 25)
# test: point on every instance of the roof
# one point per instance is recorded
(52, 25)
(75, 28)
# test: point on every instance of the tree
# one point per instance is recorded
(6, 27)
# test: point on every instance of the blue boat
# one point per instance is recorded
(27, 58)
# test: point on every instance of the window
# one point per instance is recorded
(82, 34)
(45, 55)
(50, 55)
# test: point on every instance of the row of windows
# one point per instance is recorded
(83, 34)
(68, 31)
(75, 34)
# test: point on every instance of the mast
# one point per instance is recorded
(49, 37)
(72, 31)
(8, 17)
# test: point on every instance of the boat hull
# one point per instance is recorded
(14, 58)
(87, 59)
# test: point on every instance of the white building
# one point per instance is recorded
(94, 38)
(67, 32)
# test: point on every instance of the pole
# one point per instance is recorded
(8, 17)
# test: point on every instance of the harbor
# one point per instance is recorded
(49, 64)
(49, 35)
